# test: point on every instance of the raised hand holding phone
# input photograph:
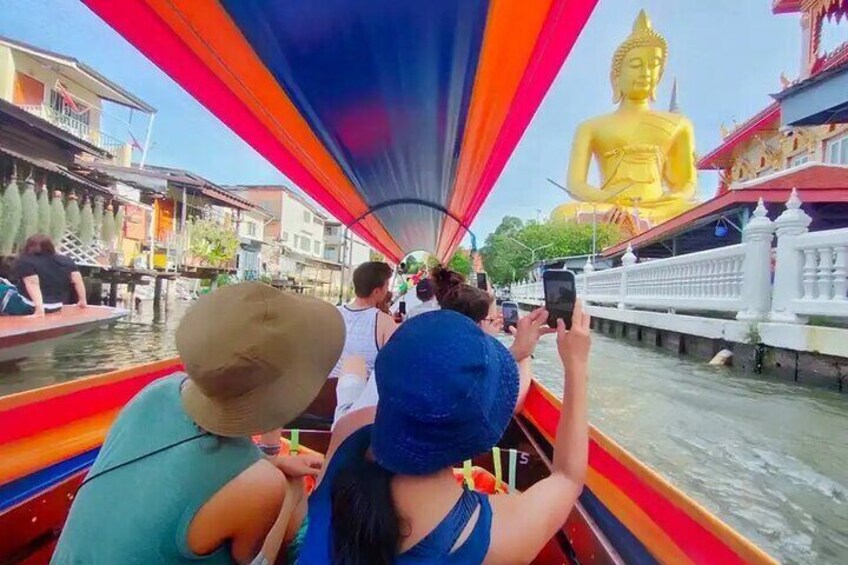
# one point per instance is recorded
(560, 296)
(573, 344)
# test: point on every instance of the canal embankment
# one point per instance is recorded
(778, 300)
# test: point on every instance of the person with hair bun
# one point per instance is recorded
(444, 279)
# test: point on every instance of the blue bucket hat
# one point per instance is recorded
(447, 392)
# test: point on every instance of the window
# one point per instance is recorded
(317, 221)
(316, 247)
(837, 151)
(285, 236)
(330, 253)
(307, 217)
(296, 241)
(304, 244)
(799, 160)
(251, 229)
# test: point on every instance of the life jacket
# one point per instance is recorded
(12, 302)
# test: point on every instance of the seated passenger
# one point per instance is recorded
(367, 328)
(178, 478)
(354, 392)
(388, 493)
(45, 277)
(427, 295)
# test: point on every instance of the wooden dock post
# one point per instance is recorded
(113, 294)
(157, 291)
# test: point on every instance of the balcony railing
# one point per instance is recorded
(76, 127)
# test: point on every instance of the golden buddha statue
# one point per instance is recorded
(645, 157)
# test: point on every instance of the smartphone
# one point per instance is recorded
(482, 283)
(560, 296)
(402, 308)
(509, 310)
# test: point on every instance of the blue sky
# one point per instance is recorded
(727, 56)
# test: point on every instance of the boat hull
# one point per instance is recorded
(22, 337)
(627, 514)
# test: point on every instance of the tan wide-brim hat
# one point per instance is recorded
(256, 357)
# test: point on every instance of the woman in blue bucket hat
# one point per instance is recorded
(447, 393)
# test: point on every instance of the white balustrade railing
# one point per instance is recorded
(811, 278)
(806, 275)
(602, 287)
(709, 280)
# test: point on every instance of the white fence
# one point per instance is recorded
(810, 275)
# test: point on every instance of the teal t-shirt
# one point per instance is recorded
(140, 513)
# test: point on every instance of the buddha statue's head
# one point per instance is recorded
(639, 62)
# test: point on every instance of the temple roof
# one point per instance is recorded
(767, 120)
(800, 6)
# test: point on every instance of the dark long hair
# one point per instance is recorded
(444, 279)
(469, 301)
(39, 244)
(366, 526)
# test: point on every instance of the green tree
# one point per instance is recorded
(72, 213)
(57, 218)
(29, 213)
(10, 220)
(44, 210)
(461, 262)
(107, 229)
(507, 260)
(98, 216)
(213, 243)
(412, 264)
(86, 226)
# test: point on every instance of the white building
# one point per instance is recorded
(294, 235)
(251, 231)
(352, 253)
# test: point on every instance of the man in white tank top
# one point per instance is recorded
(367, 328)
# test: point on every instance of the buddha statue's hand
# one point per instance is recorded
(585, 192)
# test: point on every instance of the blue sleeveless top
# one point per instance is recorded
(141, 512)
(433, 548)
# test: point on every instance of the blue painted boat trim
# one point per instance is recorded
(624, 542)
(36, 483)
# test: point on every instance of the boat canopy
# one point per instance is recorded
(397, 116)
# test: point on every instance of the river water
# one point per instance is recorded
(770, 458)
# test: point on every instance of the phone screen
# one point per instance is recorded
(482, 284)
(560, 295)
(402, 308)
(510, 315)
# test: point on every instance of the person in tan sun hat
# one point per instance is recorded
(178, 476)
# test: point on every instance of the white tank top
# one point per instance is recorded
(361, 337)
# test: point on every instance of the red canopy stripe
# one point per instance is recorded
(211, 81)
